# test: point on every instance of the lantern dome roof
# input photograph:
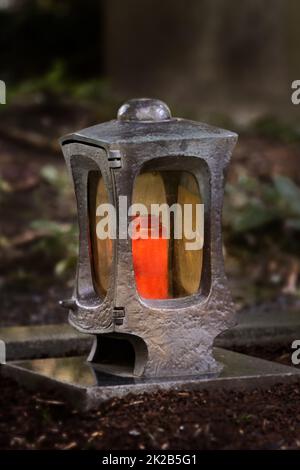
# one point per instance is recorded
(146, 120)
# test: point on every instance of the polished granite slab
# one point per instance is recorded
(36, 341)
(86, 386)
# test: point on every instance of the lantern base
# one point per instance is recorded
(85, 387)
(119, 354)
(128, 355)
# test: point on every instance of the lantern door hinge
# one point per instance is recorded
(114, 159)
(118, 315)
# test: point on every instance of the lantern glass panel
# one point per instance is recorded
(163, 265)
(101, 250)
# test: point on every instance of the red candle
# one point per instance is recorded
(150, 258)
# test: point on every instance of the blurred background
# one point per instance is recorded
(70, 64)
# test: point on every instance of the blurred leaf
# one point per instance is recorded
(50, 227)
(252, 204)
(5, 187)
(64, 266)
(4, 242)
(96, 89)
(248, 183)
(289, 194)
(50, 174)
(251, 217)
(58, 178)
(272, 127)
(60, 242)
(51, 82)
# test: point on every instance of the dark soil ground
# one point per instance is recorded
(268, 419)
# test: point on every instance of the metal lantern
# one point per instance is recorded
(154, 307)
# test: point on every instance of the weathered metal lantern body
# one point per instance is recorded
(136, 334)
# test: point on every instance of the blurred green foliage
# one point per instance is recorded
(58, 179)
(59, 241)
(4, 187)
(274, 128)
(251, 204)
(55, 82)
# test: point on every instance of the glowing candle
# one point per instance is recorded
(150, 258)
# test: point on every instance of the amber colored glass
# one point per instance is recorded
(100, 250)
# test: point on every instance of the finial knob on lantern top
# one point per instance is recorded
(144, 109)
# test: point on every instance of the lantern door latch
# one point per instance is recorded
(114, 159)
(69, 304)
(118, 315)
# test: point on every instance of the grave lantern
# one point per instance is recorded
(155, 301)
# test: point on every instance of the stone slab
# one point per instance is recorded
(268, 336)
(39, 341)
(271, 325)
(86, 387)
